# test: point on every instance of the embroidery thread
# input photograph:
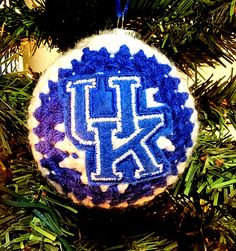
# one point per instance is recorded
(114, 129)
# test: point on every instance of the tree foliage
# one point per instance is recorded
(189, 32)
(199, 211)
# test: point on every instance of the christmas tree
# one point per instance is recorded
(199, 211)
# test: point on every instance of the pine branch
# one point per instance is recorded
(211, 173)
(53, 21)
(147, 243)
(15, 93)
(189, 32)
(216, 102)
(209, 186)
(19, 23)
(39, 207)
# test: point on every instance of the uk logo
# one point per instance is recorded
(117, 122)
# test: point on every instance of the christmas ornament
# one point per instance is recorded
(111, 124)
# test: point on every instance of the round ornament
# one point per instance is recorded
(110, 123)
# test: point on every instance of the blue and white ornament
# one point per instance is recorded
(110, 123)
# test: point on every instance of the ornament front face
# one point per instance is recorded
(111, 124)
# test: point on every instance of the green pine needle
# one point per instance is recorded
(216, 102)
(189, 32)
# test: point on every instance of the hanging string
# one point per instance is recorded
(121, 14)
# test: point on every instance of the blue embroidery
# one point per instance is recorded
(54, 109)
(119, 135)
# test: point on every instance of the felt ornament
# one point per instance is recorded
(111, 124)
